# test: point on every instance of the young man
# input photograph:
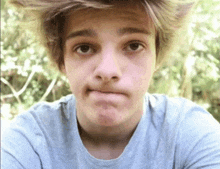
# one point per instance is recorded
(109, 54)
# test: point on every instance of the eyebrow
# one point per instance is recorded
(120, 32)
(84, 32)
(131, 30)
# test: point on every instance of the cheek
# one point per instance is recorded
(143, 73)
(72, 81)
(77, 74)
(72, 74)
(142, 82)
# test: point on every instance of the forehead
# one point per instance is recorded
(120, 15)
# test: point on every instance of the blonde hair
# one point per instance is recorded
(48, 17)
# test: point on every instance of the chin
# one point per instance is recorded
(108, 118)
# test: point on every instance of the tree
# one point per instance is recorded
(193, 72)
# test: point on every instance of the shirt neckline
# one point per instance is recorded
(127, 153)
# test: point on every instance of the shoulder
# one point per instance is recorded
(161, 102)
(177, 108)
(188, 128)
(32, 130)
(42, 116)
(45, 110)
(51, 106)
(181, 113)
(53, 109)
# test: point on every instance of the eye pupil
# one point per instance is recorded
(84, 48)
(134, 46)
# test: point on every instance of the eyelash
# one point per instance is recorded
(84, 44)
(94, 50)
(133, 42)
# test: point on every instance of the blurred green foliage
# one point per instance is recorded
(193, 72)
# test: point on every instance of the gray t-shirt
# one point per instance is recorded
(174, 133)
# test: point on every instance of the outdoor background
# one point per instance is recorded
(193, 72)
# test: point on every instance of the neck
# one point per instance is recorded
(106, 136)
(99, 134)
(104, 142)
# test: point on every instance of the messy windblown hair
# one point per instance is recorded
(47, 18)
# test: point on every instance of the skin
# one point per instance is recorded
(109, 74)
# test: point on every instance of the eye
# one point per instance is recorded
(84, 49)
(134, 46)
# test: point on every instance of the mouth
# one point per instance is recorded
(103, 91)
(110, 96)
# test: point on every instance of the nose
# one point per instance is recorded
(108, 69)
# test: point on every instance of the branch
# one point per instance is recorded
(15, 94)
(23, 88)
(49, 89)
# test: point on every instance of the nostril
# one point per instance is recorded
(107, 77)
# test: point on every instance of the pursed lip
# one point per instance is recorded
(104, 96)
(108, 90)
(105, 91)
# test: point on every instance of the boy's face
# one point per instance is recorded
(109, 58)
